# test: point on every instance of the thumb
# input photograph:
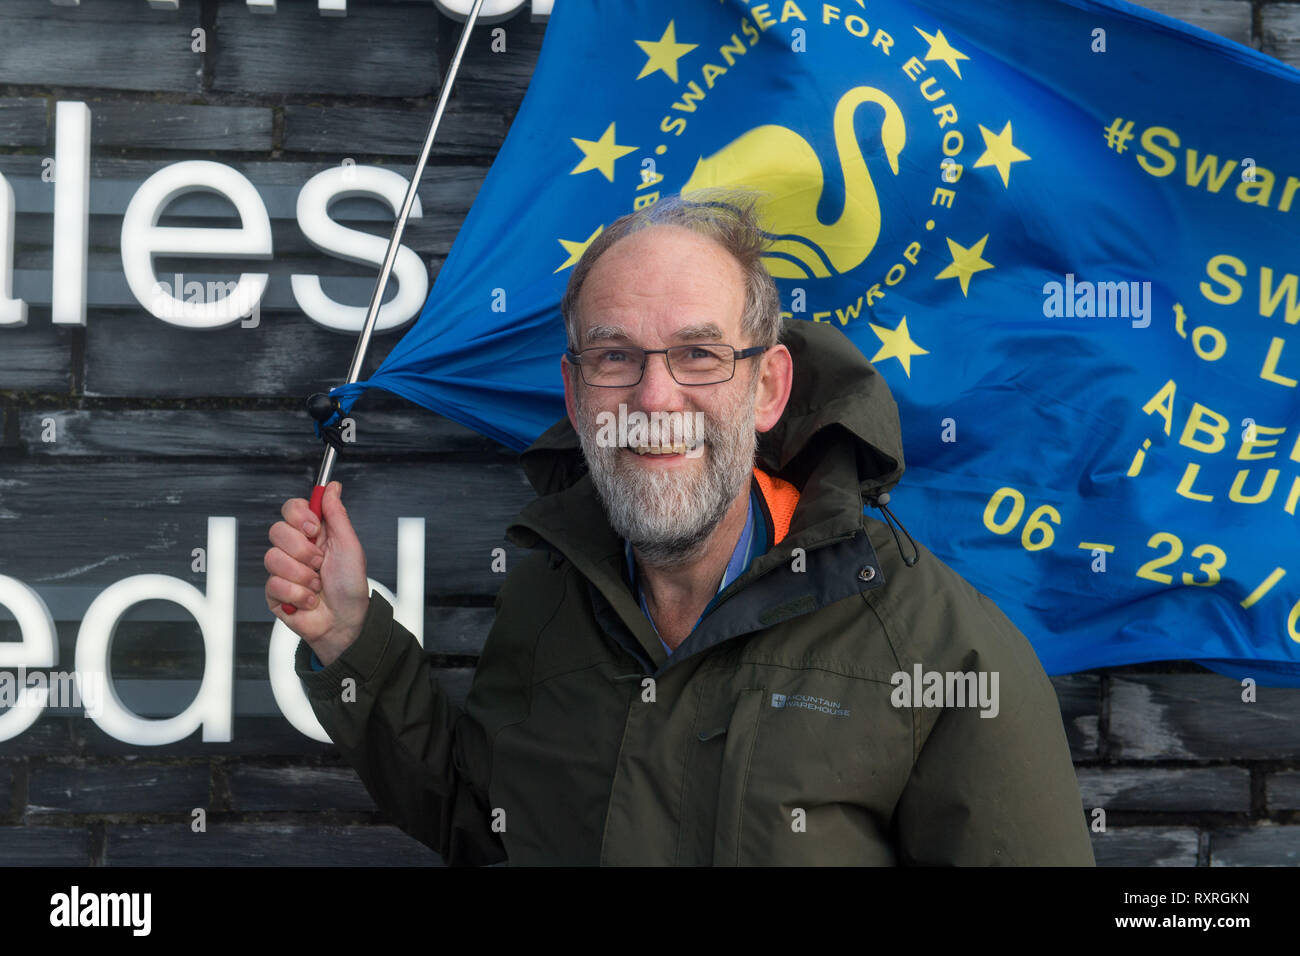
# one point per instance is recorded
(336, 519)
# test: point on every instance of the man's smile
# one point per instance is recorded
(667, 452)
(661, 450)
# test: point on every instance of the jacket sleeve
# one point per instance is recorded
(424, 761)
(996, 790)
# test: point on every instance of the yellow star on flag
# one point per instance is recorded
(600, 153)
(896, 344)
(965, 263)
(576, 249)
(999, 151)
(941, 49)
(664, 53)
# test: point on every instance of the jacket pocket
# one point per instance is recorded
(737, 758)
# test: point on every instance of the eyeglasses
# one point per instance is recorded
(623, 366)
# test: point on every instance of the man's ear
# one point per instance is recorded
(775, 380)
(568, 373)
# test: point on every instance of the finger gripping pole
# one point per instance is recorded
(317, 495)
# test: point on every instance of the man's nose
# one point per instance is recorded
(657, 387)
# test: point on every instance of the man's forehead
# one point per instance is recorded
(663, 276)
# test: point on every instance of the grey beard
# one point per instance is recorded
(668, 516)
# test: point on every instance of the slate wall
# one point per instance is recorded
(157, 428)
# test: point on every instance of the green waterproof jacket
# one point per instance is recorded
(780, 732)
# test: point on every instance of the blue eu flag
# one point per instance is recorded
(1065, 232)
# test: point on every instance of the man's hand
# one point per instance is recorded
(325, 580)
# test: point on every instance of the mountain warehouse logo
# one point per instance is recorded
(819, 704)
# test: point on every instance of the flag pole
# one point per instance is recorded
(321, 406)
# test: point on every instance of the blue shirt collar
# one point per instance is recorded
(752, 543)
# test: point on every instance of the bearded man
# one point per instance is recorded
(708, 656)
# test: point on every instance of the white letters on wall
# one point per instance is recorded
(493, 10)
(71, 213)
(37, 647)
(212, 708)
(355, 246)
(143, 238)
(12, 311)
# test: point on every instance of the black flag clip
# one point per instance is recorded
(327, 412)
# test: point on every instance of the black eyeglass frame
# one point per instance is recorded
(737, 355)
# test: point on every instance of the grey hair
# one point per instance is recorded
(729, 217)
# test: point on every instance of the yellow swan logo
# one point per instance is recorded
(781, 163)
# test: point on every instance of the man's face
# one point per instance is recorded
(657, 288)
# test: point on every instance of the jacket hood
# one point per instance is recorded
(837, 399)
